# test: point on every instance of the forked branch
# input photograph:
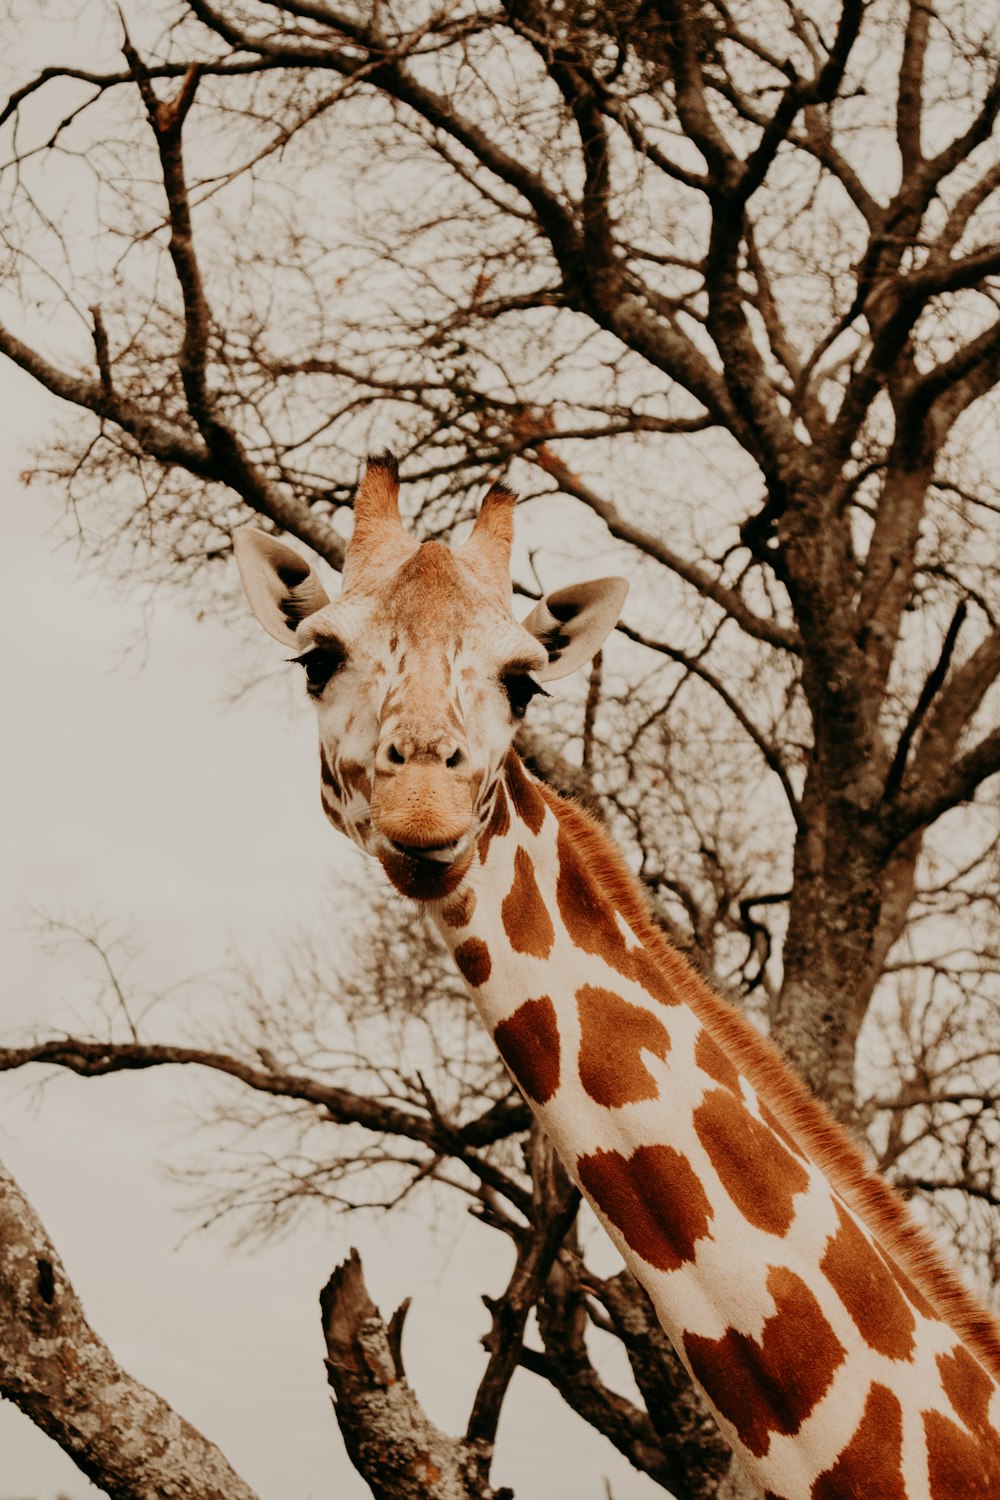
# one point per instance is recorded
(393, 1444)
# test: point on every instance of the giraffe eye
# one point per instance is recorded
(321, 663)
(520, 688)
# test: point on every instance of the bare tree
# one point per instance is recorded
(716, 286)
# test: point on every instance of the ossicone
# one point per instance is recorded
(488, 547)
(377, 521)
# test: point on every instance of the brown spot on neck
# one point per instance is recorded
(526, 800)
(473, 959)
(589, 918)
(458, 911)
(711, 1059)
(771, 1384)
(866, 1287)
(496, 827)
(525, 918)
(654, 1199)
(613, 1036)
(910, 1290)
(871, 1464)
(771, 1119)
(963, 1462)
(528, 1042)
(760, 1176)
(969, 1388)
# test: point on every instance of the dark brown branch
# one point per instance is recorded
(173, 444)
(623, 315)
(166, 119)
(926, 804)
(955, 705)
(755, 625)
(909, 104)
(101, 353)
(962, 147)
(624, 1424)
(763, 744)
(800, 95)
(102, 81)
(92, 1059)
(928, 692)
(893, 308)
(946, 390)
(555, 1202)
(590, 709)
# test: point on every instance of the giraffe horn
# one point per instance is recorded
(377, 522)
(376, 505)
(490, 541)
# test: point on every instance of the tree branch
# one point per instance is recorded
(555, 1202)
(909, 103)
(173, 444)
(392, 1443)
(924, 805)
(927, 694)
(92, 1059)
(55, 1368)
(730, 602)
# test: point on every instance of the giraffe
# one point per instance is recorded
(840, 1354)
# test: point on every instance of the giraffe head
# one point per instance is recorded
(419, 672)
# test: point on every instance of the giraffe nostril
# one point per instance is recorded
(395, 757)
(454, 759)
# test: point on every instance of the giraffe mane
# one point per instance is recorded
(797, 1110)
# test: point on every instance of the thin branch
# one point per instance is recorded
(555, 1204)
(342, 1106)
(755, 625)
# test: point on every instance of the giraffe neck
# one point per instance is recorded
(839, 1353)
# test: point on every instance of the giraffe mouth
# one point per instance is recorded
(443, 854)
(425, 874)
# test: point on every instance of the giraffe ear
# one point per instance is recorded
(573, 624)
(283, 588)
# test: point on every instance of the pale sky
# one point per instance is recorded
(130, 788)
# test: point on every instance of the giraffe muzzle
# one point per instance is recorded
(423, 817)
(423, 808)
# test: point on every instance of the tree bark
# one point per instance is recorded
(59, 1373)
(392, 1443)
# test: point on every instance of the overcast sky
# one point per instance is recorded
(131, 789)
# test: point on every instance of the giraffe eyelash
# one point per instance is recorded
(520, 688)
(321, 663)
